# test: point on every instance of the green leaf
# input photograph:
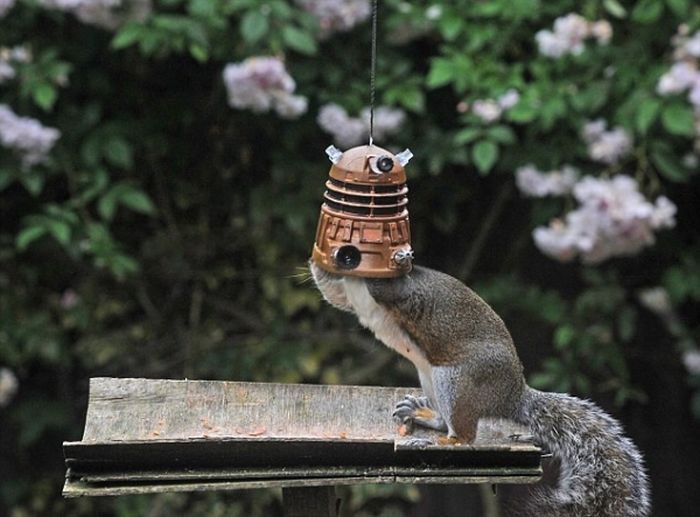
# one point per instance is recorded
(485, 154)
(441, 73)
(502, 134)
(679, 7)
(44, 94)
(137, 201)
(126, 195)
(450, 26)
(59, 230)
(542, 380)
(667, 164)
(522, 112)
(254, 26)
(199, 52)
(647, 11)
(299, 40)
(412, 99)
(33, 182)
(615, 8)
(467, 135)
(678, 119)
(127, 36)
(647, 113)
(29, 235)
(7, 177)
(564, 336)
(122, 265)
(626, 323)
(119, 152)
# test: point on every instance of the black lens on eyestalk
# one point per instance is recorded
(385, 163)
(347, 257)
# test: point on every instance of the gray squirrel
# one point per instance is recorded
(468, 369)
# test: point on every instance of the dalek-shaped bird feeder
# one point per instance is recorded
(363, 229)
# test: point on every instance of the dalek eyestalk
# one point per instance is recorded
(363, 229)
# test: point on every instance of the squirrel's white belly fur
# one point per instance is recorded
(377, 319)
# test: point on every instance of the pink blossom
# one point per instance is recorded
(606, 146)
(534, 183)
(350, 131)
(613, 219)
(691, 361)
(5, 6)
(569, 35)
(337, 15)
(26, 136)
(487, 110)
(262, 84)
(8, 386)
(108, 14)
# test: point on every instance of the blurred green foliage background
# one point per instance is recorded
(167, 234)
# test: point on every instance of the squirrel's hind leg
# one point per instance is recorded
(418, 411)
(455, 402)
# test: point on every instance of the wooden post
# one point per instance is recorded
(310, 501)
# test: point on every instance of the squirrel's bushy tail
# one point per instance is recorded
(601, 471)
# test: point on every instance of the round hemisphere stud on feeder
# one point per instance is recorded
(363, 229)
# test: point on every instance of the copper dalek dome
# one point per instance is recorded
(363, 229)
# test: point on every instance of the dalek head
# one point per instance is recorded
(363, 229)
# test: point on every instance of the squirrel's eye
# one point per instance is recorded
(347, 257)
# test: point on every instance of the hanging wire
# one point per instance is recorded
(373, 72)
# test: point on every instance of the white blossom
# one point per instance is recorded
(692, 45)
(433, 12)
(509, 99)
(602, 31)
(694, 95)
(534, 183)
(350, 131)
(337, 15)
(26, 136)
(680, 77)
(9, 57)
(690, 161)
(657, 300)
(490, 110)
(5, 6)
(262, 84)
(487, 110)
(569, 35)
(387, 121)
(606, 146)
(7, 71)
(691, 360)
(108, 14)
(8, 386)
(613, 219)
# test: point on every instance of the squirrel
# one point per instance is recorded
(468, 369)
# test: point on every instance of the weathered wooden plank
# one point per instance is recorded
(78, 488)
(155, 409)
(293, 473)
(149, 409)
(146, 436)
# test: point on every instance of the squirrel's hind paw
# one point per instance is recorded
(417, 411)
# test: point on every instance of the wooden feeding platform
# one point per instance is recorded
(147, 436)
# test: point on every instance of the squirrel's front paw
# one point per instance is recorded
(417, 411)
